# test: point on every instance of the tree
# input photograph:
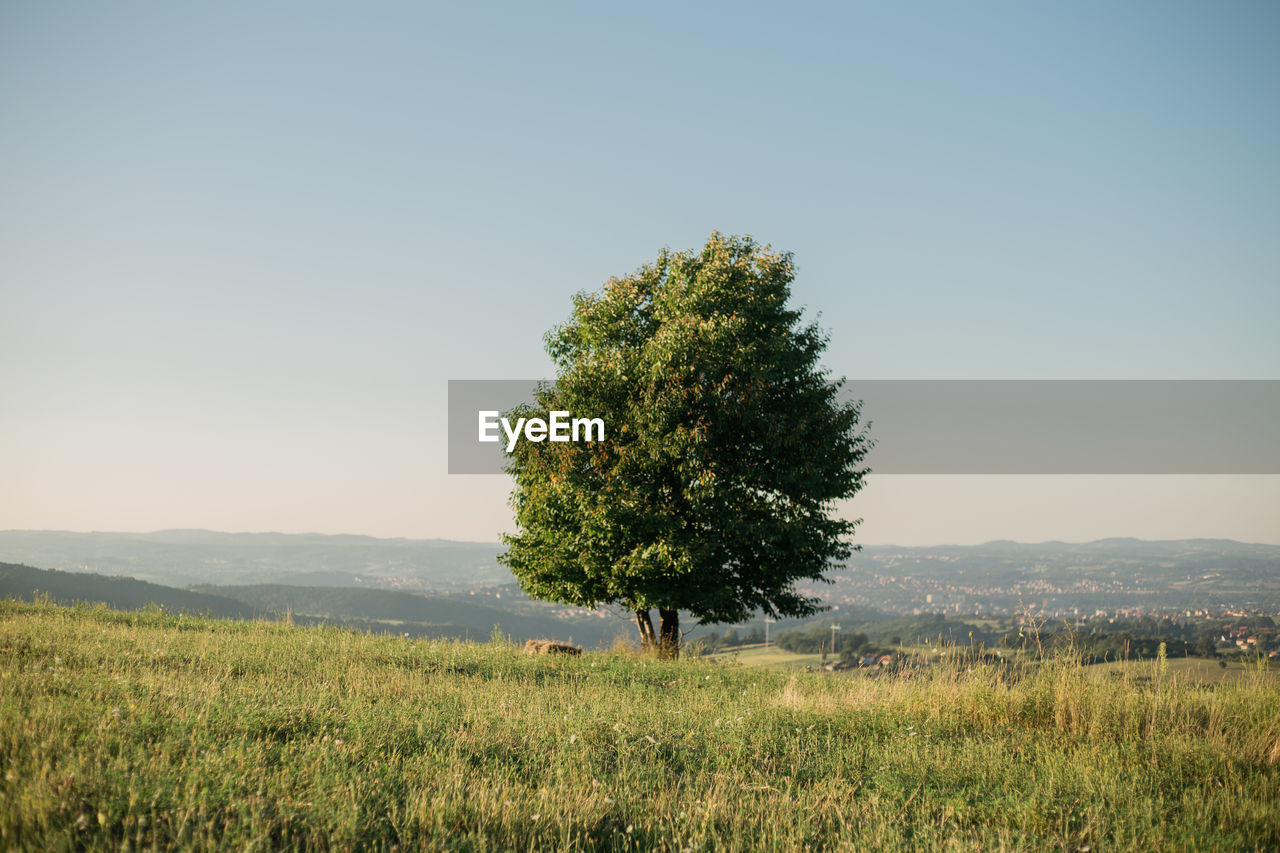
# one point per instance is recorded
(726, 448)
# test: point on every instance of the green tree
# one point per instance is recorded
(726, 448)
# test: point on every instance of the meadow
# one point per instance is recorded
(138, 731)
(769, 657)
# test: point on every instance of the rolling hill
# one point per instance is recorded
(26, 583)
(374, 610)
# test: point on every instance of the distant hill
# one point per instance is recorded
(993, 577)
(185, 557)
(25, 583)
(374, 610)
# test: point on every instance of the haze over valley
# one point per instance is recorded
(459, 590)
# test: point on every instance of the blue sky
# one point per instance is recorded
(244, 246)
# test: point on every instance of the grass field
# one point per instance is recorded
(1191, 671)
(768, 657)
(140, 731)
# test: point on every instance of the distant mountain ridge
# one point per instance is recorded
(1113, 572)
(188, 557)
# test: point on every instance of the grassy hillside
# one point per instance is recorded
(153, 730)
(1183, 670)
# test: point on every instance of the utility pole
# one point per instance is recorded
(834, 628)
(767, 623)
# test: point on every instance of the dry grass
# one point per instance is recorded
(152, 731)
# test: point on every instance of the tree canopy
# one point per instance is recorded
(726, 449)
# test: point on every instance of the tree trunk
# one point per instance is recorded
(669, 636)
(648, 640)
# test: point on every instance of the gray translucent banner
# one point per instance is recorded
(949, 426)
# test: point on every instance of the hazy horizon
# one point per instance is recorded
(497, 542)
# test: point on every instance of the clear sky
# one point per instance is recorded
(243, 246)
